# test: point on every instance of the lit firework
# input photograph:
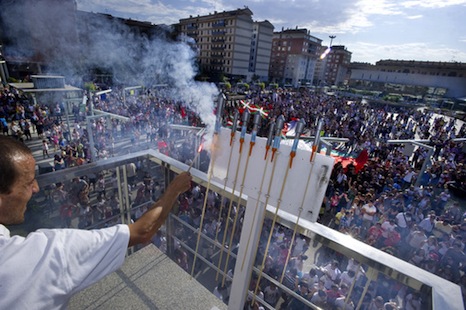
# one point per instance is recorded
(324, 54)
(199, 149)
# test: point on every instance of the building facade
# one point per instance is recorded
(294, 57)
(261, 47)
(333, 67)
(230, 43)
(429, 80)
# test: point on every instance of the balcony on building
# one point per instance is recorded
(220, 23)
(218, 32)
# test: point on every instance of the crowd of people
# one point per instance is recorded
(67, 143)
(388, 202)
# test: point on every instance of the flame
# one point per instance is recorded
(201, 146)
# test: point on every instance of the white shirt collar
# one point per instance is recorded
(4, 231)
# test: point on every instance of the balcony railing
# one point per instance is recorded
(204, 255)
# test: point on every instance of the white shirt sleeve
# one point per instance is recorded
(43, 270)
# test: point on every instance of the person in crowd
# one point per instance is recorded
(331, 274)
(272, 294)
(45, 148)
(377, 303)
(428, 224)
(374, 234)
(58, 162)
(368, 211)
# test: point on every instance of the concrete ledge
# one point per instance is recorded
(147, 280)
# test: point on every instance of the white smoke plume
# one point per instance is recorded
(74, 43)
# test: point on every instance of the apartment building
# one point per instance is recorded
(333, 68)
(261, 47)
(294, 56)
(230, 43)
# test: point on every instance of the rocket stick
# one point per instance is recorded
(232, 136)
(256, 122)
(276, 146)
(268, 144)
(195, 157)
(246, 115)
(316, 141)
(214, 141)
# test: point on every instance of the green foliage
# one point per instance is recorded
(392, 98)
(89, 86)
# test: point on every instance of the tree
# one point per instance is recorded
(89, 86)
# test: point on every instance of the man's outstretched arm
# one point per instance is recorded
(149, 223)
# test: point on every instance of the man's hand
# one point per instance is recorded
(149, 223)
(180, 184)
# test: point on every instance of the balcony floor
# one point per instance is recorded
(147, 280)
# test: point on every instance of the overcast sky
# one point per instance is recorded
(430, 30)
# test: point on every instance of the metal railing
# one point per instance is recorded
(436, 292)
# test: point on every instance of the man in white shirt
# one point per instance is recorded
(331, 274)
(387, 227)
(408, 178)
(428, 223)
(43, 270)
(403, 220)
(368, 211)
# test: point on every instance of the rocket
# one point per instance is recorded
(235, 125)
(299, 130)
(256, 121)
(278, 135)
(246, 116)
(269, 139)
(218, 118)
(316, 139)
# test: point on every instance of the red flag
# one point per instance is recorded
(357, 162)
(361, 160)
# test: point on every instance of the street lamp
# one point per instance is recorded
(331, 40)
